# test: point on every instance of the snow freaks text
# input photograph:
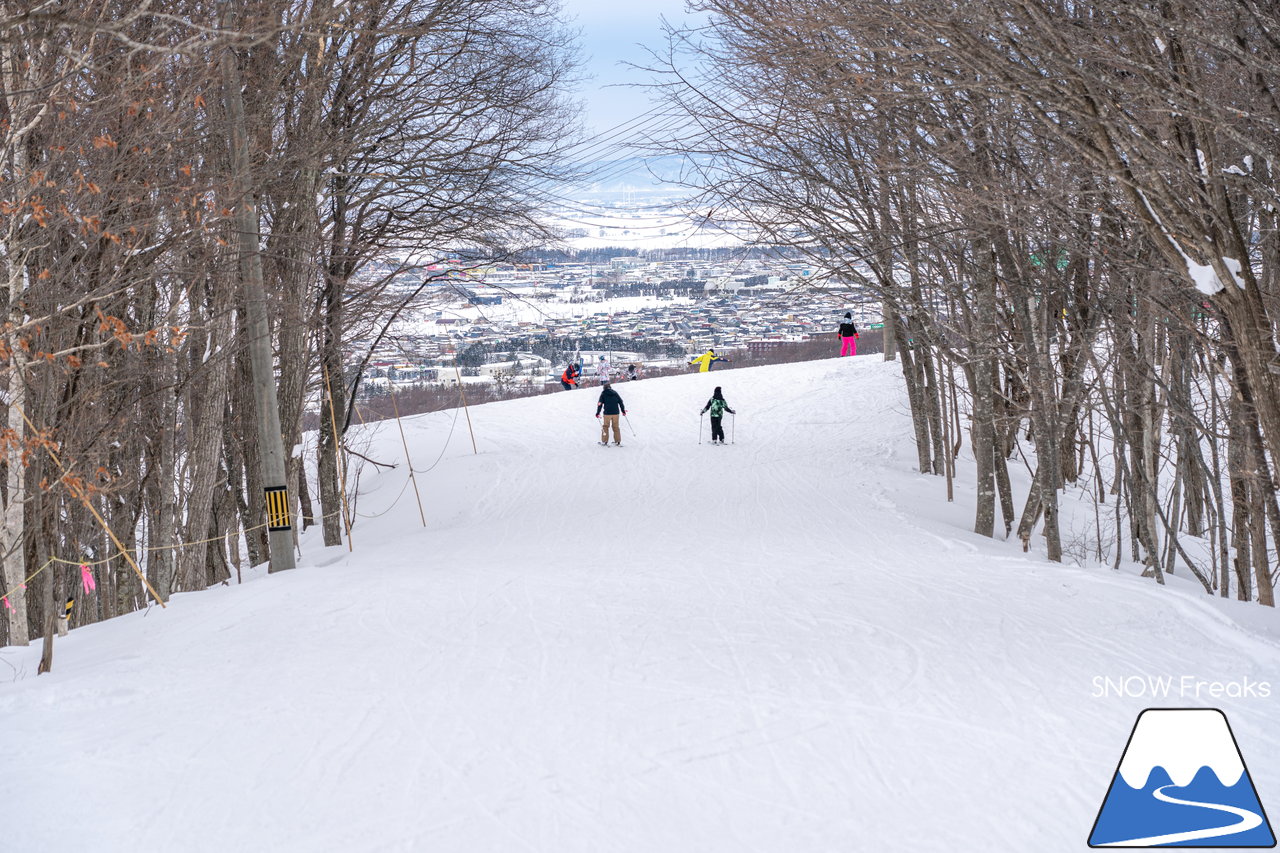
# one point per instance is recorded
(1177, 687)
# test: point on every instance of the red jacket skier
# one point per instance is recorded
(569, 379)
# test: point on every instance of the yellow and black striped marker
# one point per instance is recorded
(278, 508)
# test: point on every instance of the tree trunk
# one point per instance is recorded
(162, 556)
(270, 441)
(46, 653)
(12, 550)
(1263, 506)
(933, 409)
(889, 333)
(1237, 454)
(241, 459)
(327, 465)
(983, 429)
(916, 402)
(1044, 423)
(206, 410)
(1004, 488)
(1219, 504)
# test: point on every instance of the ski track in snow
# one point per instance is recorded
(789, 643)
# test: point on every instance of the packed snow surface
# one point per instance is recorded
(788, 643)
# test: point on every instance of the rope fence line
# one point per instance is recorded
(403, 489)
(411, 480)
(447, 438)
(130, 553)
(78, 491)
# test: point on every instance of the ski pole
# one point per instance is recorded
(733, 426)
(629, 426)
(700, 418)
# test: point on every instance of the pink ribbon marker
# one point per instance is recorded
(7, 604)
(86, 579)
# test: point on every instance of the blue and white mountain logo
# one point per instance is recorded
(1182, 783)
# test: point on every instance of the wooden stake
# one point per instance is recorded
(337, 458)
(391, 387)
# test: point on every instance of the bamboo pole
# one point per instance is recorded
(396, 408)
(463, 395)
(337, 458)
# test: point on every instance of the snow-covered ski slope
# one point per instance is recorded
(790, 643)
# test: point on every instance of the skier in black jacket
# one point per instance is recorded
(611, 402)
(848, 335)
(718, 407)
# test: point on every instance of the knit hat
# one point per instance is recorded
(848, 315)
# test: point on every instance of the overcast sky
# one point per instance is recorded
(612, 32)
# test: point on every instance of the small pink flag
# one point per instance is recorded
(6, 603)
(86, 579)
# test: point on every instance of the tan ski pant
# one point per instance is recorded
(610, 420)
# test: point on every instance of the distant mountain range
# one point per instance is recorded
(646, 175)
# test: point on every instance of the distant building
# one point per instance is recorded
(476, 299)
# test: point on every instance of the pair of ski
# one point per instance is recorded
(606, 444)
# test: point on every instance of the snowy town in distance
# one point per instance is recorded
(518, 322)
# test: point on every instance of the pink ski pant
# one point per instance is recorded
(848, 346)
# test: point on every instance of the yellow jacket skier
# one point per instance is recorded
(705, 361)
